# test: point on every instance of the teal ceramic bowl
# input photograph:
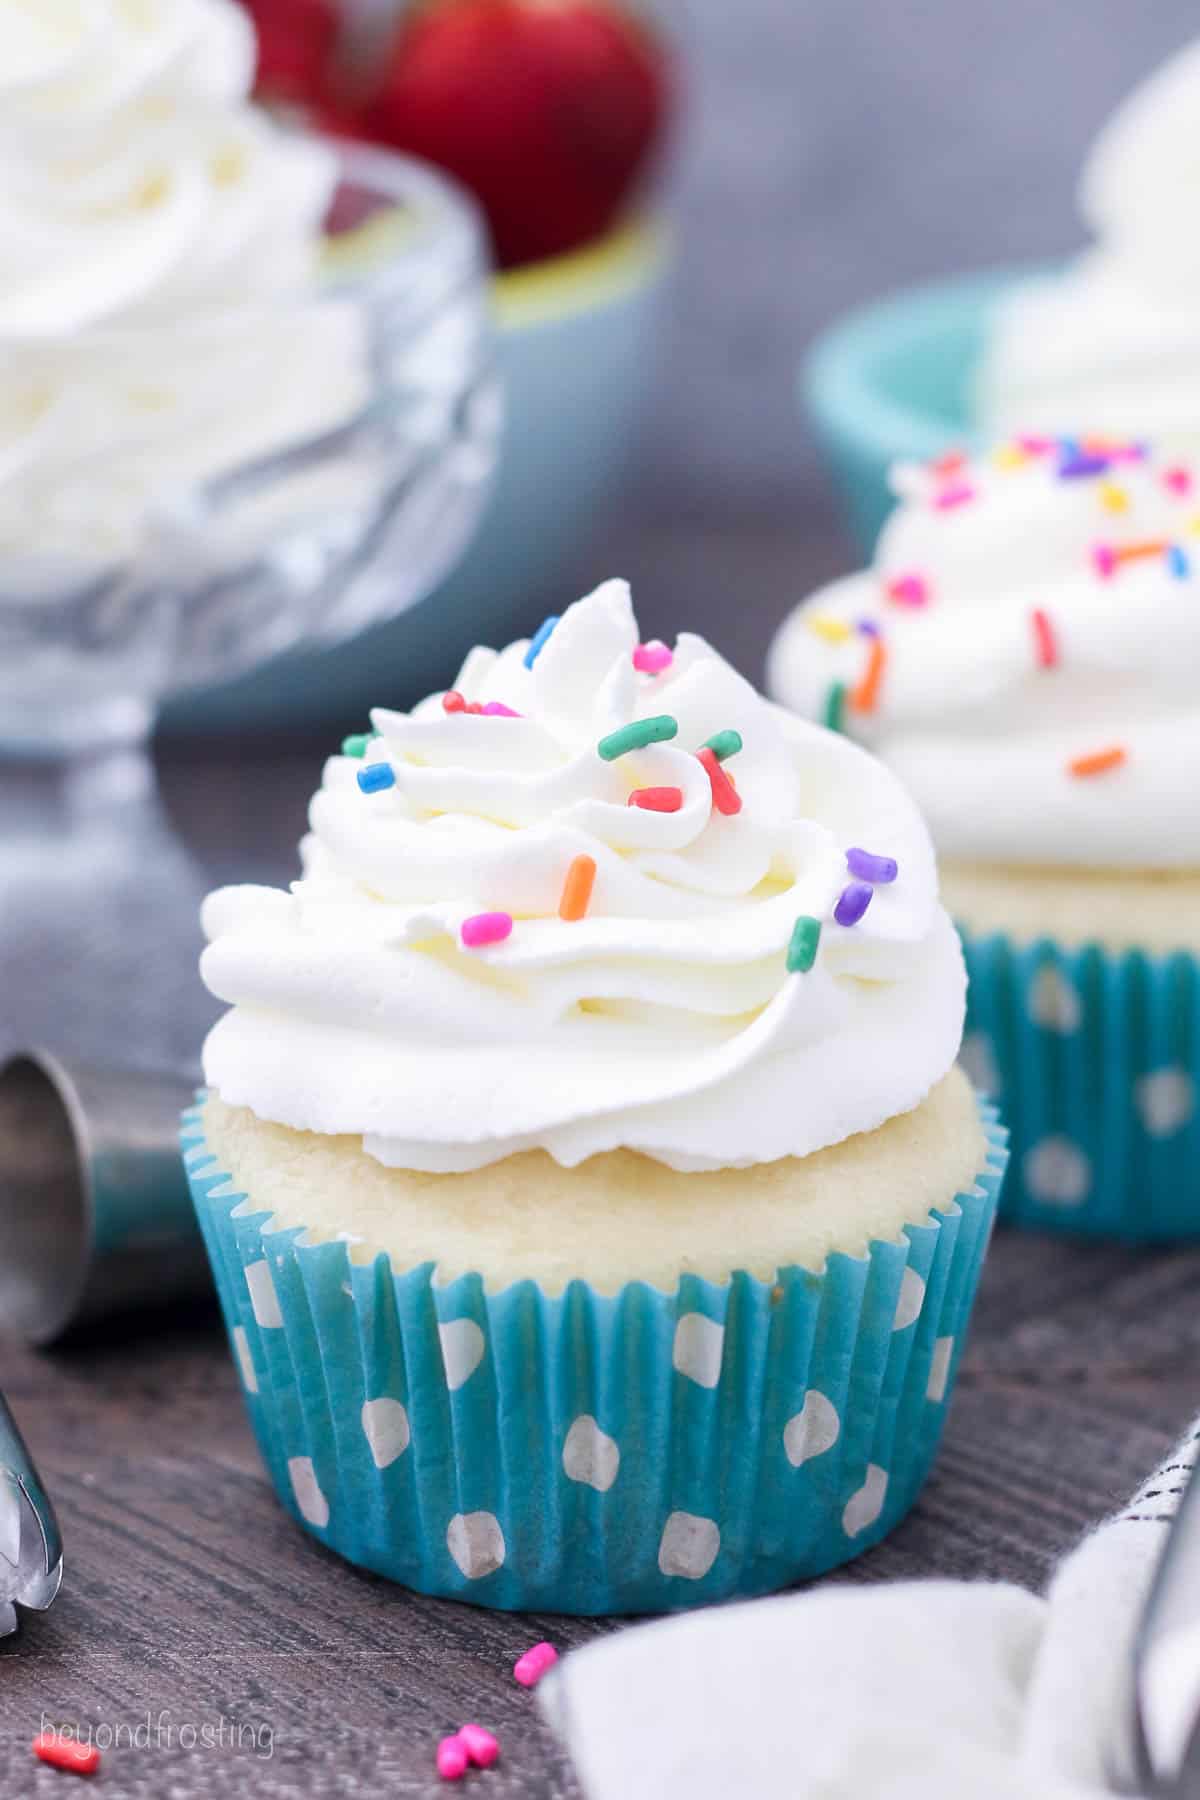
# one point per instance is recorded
(575, 340)
(893, 380)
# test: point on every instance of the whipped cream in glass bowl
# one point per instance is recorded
(246, 401)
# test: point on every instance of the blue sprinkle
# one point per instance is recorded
(376, 777)
(1177, 562)
(540, 639)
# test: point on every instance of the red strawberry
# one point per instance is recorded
(546, 109)
(296, 42)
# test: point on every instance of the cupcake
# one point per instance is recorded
(1023, 654)
(594, 1200)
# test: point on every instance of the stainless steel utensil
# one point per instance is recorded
(31, 1553)
(1167, 1662)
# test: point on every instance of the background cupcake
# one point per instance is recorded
(594, 1203)
(1023, 654)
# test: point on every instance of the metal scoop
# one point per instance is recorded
(31, 1553)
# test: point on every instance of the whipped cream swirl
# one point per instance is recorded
(1113, 341)
(665, 1020)
(1033, 621)
(151, 224)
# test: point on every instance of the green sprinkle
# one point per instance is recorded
(637, 736)
(357, 745)
(723, 744)
(802, 950)
(835, 707)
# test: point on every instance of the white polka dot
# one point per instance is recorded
(590, 1455)
(1058, 1172)
(863, 1508)
(1166, 1100)
(1053, 1001)
(476, 1543)
(241, 1347)
(312, 1503)
(909, 1301)
(263, 1298)
(688, 1546)
(698, 1346)
(979, 1060)
(385, 1423)
(939, 1368)
(462, 1350)
(811, 1431)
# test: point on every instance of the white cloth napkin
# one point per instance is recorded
(927, 1690)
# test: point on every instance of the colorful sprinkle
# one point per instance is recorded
(1114, 499)
(866, 866)
(1098, 762)
(481, 1745)
(802, 945)
(957, 495)
(482, 929)
(452, 1759)
(853, 902)
(1045, 639)
(726, 798)
(356, 746)
(496, 709)
(724, 744)
(950, 463)
(834, 717)
(1010, 456)
(653, 658)
(376, 778)
(66, 1753)
(540, 639)
(1034, 446)
(1178, 562)
(577, 888)
(1107, 557)
(637, 736)
(1076, 464)
(834, 631)
(529, 1669)
(1178, 480)
(908, 590)
(865, 696)
(660, 799)
(868, 628)
(453, 701)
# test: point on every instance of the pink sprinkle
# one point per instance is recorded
(908, 590)
(653, 658)
(1105, 559)
(496, 709)
(530, 1668)
(957, 495)
(1178, 480)
(479, 1744)
(486, 928)
(452, 1759)
(1034, 446)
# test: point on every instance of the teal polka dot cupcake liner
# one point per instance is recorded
(1095, 1059)
(592, 1453)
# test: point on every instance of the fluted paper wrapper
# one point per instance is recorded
(593, 1453)
(1095, 1059)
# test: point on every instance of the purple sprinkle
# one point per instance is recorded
(878, 870)
(1082, 464)
(853, 903)
(868, 627)
(496, 709)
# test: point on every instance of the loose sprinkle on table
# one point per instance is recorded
(356, 746)
(1098, 762)
(636, 736)
(834, 718)
(866, 866)
(653, 658)
(486, 928)
(1045, 640)
(540, 639)
(529, 1669)
(66, 1753)
(865, 696)
(724, 744)
(853, 902)
(452, 1759)
(908, 590)
(453, 701)
(376, 778)
(481, 1745)
(726, 798)
(802, 945)
(659, 799)
(577, 888)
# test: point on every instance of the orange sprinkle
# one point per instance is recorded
(577, 888)
(1132, 552)
(865, 696)
(1098, 762)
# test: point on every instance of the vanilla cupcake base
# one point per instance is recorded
(1157, 911)
(575, 1448)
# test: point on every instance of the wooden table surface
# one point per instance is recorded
(239, 1656)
